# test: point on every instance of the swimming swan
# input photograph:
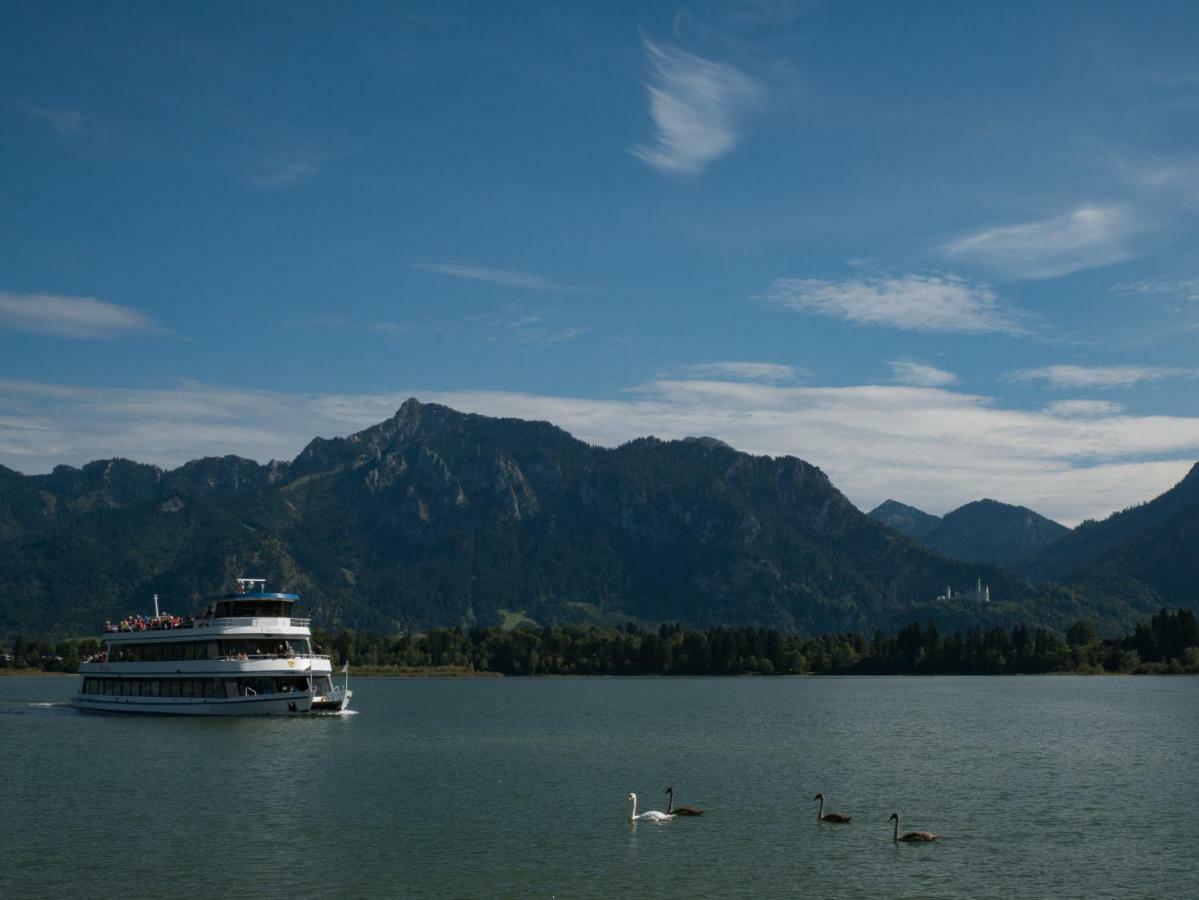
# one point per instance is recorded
(912, 837)
(682, 810)
(822, 816)
(652, 816)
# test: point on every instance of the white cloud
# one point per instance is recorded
(72, 317)
(1084, 408)
(1102, 377)
(938, 448)
(505, 277)
(921, 375)
(912, 302)
(61, 119)
(1088, 236)
(745, 371)
(697, 106)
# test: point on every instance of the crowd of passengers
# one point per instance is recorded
(171, 652)
(151, 623)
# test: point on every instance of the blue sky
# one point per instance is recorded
(943, 251)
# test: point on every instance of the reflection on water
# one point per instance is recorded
(509, 787)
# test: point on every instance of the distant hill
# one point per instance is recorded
(434, 517)
(907, 520)
(982, 531)
(1070, 558)
(994, 532)
(1146, 556)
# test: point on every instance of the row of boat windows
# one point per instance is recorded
(174, 651)
(279, 609)
(213, 688)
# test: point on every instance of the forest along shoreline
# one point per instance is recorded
(1167, 644)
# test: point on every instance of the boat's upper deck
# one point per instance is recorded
(257, 611)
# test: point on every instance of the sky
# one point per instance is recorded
(942, 251)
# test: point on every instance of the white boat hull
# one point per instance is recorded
(334, 702)
(274, 704)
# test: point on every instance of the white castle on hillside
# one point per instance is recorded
(980, 594)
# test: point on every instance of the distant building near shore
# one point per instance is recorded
(980, 594)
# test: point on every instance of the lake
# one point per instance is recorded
(1040, 786)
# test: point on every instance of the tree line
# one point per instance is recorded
(1166, 644)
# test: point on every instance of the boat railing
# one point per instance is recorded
(252, 621)
(242, 657)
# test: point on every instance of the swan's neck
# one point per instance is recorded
(895, 835)
(633, 814)
(820, 813)
(670, 805)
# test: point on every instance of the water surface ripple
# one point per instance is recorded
(1055, 786)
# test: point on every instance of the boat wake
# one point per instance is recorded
(62, 707)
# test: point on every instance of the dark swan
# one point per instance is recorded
(822, 816)
(911, 837)
(682, 810)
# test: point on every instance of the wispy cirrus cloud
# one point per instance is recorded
(531, 328)
(1084, 408)
(942, 447)
(1101, 377)
(1172, 178)
(920, 375)
(697, 106)
(286, 173)
(911, 302)
(62, 119)
(505, 277)
(1084, 238)
(1165, 288)
(70, 317)
(771, 373)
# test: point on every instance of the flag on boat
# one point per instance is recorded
(345, 666)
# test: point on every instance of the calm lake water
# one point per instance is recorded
(1053, 786)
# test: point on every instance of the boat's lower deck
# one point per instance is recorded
(183, 695)
(274, 704)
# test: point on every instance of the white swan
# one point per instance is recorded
(652, 816)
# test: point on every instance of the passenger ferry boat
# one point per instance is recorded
(245, 655)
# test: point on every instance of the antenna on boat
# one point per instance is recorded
(156, 606)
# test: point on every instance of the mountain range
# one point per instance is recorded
(435, 517)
